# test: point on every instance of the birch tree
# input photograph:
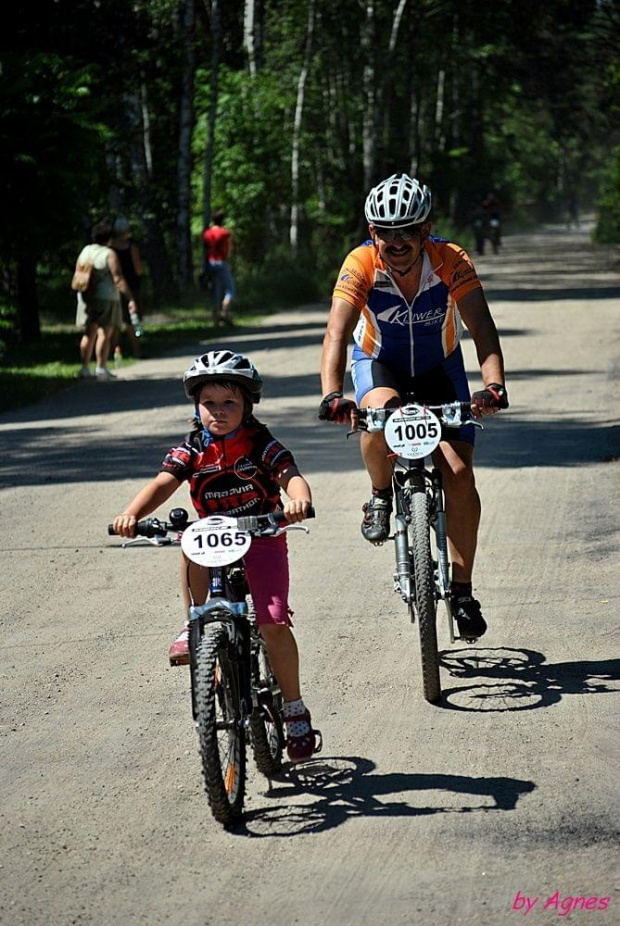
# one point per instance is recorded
(214, 10)
(184, 160)
(299, 108)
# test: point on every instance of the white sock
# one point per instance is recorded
(296, 709)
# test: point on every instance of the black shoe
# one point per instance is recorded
(376, 523)
(469, 619)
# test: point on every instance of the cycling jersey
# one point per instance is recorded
(233, 475)
(415, 337)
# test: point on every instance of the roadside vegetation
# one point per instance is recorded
(283, 113)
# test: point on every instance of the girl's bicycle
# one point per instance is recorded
(235, 696)
(422, 575)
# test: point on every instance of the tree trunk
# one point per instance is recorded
(369, 141)
(27, 301)
(383, 93)
(216, 37)
(440, 138)
(249, 35)
(163, 284)
(184, 163)
(301, 87)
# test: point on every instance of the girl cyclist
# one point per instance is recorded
(235, 467)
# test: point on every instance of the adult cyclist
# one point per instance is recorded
(403, 297)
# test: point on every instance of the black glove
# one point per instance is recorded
(336, 408)
(494, 396)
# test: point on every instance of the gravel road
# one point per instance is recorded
(433, 815)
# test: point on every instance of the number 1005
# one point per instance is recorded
(419, 431)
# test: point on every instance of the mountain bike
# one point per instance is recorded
(422, 576)
(236, 698)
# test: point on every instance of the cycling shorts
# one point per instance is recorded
(445, 383)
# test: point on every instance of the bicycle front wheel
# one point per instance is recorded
(425, 604)
(219, 724)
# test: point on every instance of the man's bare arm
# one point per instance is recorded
(343, 318)
(477, 317)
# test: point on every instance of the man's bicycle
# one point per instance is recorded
(422, 576)
(235, 696)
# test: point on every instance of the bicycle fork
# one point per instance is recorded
(403, 578)
(442, 579)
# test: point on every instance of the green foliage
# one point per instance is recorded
(608, 226)
(524, 101)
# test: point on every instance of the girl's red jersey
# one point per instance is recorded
(233, 475)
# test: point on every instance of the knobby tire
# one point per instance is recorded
(266, 719)
(218, 721)
(425, 603)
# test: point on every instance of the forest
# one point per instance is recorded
(283, 113)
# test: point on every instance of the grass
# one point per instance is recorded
(30, 372)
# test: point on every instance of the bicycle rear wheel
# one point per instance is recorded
(219, 724)
(425, 604)
(266, 719)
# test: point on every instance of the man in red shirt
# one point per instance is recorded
(217, 241)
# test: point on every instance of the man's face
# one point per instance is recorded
(400, 247)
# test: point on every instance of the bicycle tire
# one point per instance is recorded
(219, 724)
(425, 603)
(266, 720)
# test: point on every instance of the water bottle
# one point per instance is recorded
(118, 356)
(134, 318)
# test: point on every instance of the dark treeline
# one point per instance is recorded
(284, 112)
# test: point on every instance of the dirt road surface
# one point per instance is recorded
(440, 815)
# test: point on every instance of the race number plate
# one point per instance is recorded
(413, 432)
(215, 541)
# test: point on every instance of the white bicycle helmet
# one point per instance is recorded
(398, 201)
(223, 366)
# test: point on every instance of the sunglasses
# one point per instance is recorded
(408, 233)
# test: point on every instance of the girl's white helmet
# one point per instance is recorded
(398, 201)
(223, 366)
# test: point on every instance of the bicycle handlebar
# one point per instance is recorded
(257, 525)
(447, 413)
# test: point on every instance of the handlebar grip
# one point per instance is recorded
(151, 527)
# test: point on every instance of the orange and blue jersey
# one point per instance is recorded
(410, 338)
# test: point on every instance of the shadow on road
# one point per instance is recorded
(520, 679)
(73, 453)
(345, 787)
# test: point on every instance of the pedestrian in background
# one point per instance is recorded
(99, 309)
(131, 265)
(218, 244)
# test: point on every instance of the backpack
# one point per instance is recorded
(84, 279)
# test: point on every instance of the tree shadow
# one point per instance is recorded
(344, 788)
(522, 293)
(79, 453)
(510, 679)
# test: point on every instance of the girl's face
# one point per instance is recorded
(221, 408)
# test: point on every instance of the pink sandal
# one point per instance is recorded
(178, 652)
(301, 748)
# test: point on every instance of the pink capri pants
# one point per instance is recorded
(266, 568)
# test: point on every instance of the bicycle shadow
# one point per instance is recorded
(521, 679)
(345, 788)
